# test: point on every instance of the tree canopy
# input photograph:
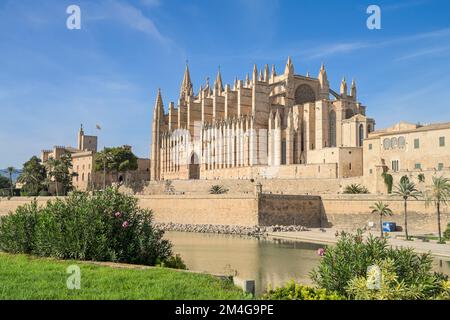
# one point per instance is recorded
(33, 176)
(116, 159)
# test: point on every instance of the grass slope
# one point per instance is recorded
(25, 277)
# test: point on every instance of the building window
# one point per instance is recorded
(418, 166)
(440, 166)
(387, 144)
(350, 166)
(394, 142)
(370, 171)
(395, 166)
(401, 142)
(370, 146)
(82, 177)
(441, 141)
(416, 143)
(361, 135)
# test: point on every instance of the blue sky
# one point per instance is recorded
(52, 79)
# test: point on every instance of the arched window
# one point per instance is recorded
(332, 129)
(361, 135)
(304, 93)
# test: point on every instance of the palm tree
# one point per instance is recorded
(382, 210)
(438, 194)
(11, 170)
(406, 190)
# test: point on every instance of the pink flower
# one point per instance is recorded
(321, 252)
(125, 224)
(117, 214)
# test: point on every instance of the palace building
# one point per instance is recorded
(266, 126)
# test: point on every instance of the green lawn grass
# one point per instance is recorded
(27, 277)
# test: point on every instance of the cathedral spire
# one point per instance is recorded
(273, 74)
(266, 73)
(344, 88)
(353, 89)
(207, 87)
(255, 74)
(247, 80)
(218, 85)
(289, 69)
(159, 107)
(235, 85)
(323, 79)
(186, 86)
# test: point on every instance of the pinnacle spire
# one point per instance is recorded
(266, 73)
(289, 69)
(255, 73)
(218, 83)
(353, 89)
(186, 86)
(344, 88)
(247, 80)
(159, 106)
(273, 73)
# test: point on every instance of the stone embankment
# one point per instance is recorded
(228, 229)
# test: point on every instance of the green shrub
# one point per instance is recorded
(352, 255)
(17, 231)
(295, 291)
(388, 181)
(216, 189)
(44, 193)
(392, 288)
(447, 232)
(174, 262)
(355, 189)
(105, 226)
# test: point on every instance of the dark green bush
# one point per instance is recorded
(355, 189)
(447, 232)
(17, 231)
(106, 226)
(44, 193)
(295, 291)
(352, 255)
(217, 189)
(174, 262)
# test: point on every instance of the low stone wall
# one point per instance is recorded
(289, 210)
(353, 211)
(203, 209)
(6, 206)
(340, 211)
(235, 210)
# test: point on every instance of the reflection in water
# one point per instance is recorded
(265, 260)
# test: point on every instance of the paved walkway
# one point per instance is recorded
(328, 237)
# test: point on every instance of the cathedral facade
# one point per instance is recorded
(266, 126)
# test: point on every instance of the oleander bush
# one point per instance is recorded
(344, 265)
(104, 226)
(295, 291)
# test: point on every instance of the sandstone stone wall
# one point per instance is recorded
(289, 210)
(353, 211)
(334, 210)
(203, 209)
